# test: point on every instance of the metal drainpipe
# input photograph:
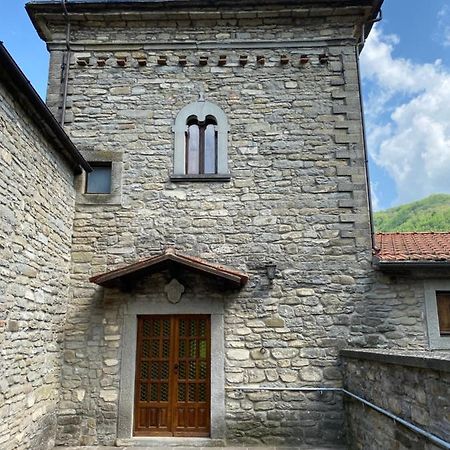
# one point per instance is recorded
(66, 64)
(363, 125)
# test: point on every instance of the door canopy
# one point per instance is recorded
(169, 259)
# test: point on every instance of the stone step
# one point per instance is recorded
(168, 442)
(165, 447)
(179, 443)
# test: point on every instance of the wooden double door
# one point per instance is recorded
(173, 367)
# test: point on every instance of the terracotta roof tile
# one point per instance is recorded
(404, 247)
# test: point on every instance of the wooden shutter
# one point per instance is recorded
(443, 307)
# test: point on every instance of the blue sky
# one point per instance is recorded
(406, 85)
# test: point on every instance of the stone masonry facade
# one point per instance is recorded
(297, 197)
(36, 211)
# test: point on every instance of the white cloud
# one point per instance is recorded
(395, 74)
(443, 28)
(375, 196)
(408, 118)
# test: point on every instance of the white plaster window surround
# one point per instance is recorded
(112, 198)
(436, 340)
(201, 110)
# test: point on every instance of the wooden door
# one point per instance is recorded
(173, 364)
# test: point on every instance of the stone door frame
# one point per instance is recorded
(128, 359)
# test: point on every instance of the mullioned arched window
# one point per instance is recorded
(201, 138)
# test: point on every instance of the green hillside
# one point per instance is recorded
(429, 214)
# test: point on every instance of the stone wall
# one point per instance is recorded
(36, 214)
(414, 386)
(280, 417)
(391, 313)
(297, 197)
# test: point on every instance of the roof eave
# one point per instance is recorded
(375, 16)
(56, 5)
(24, 93)
(117, 277)
(36, 9)
(392, 266)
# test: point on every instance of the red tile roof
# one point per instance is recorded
(163, 260)
(413, 247)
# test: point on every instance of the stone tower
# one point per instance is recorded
(229, 190)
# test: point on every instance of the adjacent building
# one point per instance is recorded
(37, 208)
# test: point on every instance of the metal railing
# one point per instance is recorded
(427, 435)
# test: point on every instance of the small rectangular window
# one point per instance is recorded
(99, 180)
(443, 308)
